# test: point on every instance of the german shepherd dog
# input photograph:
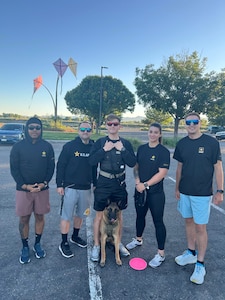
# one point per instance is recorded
(109, 229)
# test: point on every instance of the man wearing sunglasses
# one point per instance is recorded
(74, 177)
(32, 165)
(199, 157)
(112, 153)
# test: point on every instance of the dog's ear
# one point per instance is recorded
(119, 204)
(108, 202)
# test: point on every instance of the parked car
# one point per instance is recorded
(10, 133)
(220, 135)
(214, 129)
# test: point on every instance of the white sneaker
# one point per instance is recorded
(198, 274)
(123, 250)
(156, 261)
(133, 244)
(186, 258)
(95, 253)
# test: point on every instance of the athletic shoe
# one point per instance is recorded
(38, 251)
(64, 248)
(95, 253)
(133, 244)
(123, 250)
(25, 255)
(156, 261)
(186, 258)
(78, 241)
(198, 274)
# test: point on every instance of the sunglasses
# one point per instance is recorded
(113, 123)
(83, 129)
(189, 122)
(34, 127)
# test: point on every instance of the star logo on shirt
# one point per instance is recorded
(76, 153)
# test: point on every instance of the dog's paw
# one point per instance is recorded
(119, 262)
(102, 264)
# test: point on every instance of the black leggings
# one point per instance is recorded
(156, 203)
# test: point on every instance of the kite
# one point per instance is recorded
(37, 83)
(60, 67)
(73, 66)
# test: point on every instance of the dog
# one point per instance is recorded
(109, 229)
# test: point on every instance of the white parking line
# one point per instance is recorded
(213, 205)
(94, 279)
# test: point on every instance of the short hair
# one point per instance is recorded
(192, 114)
(111, 117)
(85, 122)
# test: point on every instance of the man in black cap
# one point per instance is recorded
(32, 165)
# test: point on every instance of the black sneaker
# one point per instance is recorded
(78, 241)
(25, 255)
(64, 248)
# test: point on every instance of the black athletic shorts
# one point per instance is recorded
(109, 190)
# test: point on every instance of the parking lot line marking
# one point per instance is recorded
(94, 279)
(218, 208)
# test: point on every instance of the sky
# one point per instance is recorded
(120, 34)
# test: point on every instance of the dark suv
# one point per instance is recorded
(10, 133)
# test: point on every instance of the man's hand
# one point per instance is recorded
(118, 145)
(108, 146)
(60, 191)
(217, 198)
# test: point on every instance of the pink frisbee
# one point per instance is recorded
(137, 263)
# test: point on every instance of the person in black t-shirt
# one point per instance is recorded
(198, 156)
(153, 161)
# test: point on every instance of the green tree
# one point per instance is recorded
(177, 87)
(216, 107)
(85, 98)
(153, 115)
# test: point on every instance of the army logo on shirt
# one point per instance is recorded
(43, 154)
(201, 150)
(77, 154)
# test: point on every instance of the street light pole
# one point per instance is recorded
(100, 100)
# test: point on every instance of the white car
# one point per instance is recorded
(220, 135)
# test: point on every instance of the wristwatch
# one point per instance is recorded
(146, 185)
(220, 191)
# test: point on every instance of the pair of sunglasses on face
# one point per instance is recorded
(192, 122)
(34, 127)
(113, 123)
(83, 129)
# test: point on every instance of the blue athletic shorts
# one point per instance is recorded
(196, 207)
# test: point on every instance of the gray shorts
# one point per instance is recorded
(75, 203)
(26, 203)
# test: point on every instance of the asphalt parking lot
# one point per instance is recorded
(56, 277)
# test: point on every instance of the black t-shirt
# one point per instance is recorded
(198, 157)
(149, 161)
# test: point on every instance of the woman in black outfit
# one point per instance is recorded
(153, 160)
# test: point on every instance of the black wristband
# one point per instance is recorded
(220, 191)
